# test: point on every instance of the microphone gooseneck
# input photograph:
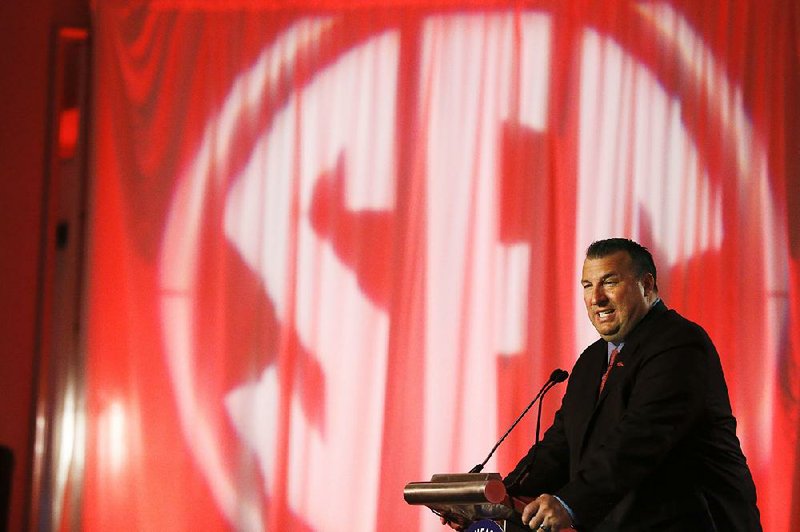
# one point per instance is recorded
(558, 375)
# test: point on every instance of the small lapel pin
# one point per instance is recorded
(619, 364)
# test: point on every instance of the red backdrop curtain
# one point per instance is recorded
(335, 246)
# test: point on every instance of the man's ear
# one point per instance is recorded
(648, 283)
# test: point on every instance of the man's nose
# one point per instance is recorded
(598, 296)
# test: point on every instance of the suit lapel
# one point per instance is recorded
(617, 373)
(598, 360)
(628, 353)
(623, 364)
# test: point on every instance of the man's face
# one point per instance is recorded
(615, 298)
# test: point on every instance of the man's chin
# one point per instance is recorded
(610, 335)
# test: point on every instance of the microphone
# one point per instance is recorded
(558, 375)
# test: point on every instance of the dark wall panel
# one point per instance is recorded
(26, 30)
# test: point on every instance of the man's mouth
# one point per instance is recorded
(605, 313)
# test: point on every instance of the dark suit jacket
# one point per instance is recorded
(657, 451)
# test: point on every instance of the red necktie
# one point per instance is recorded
(614, 354)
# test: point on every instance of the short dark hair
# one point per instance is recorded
(642, 259)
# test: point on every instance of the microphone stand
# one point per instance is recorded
(557, 376)
(523, 474)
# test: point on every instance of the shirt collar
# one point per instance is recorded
(612, 346)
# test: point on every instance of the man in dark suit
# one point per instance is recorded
(645, 439)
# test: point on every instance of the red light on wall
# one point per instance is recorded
(68, 126)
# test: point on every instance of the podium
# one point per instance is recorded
(466, 498)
